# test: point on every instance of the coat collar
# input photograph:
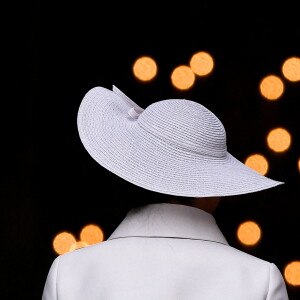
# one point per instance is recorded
(169, 220)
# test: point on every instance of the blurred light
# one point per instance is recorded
(291, 69)
(62, 242)
(145, 68)
(202, 63)
(258, 163)
(279, 139)
(292, 273)
(271, 87)
(183, 77)
(299, 164)
(249, 233)
(91, 234)
(78, 245)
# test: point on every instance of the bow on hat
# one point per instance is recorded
(135, 110)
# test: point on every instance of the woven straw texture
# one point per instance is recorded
(174, 146)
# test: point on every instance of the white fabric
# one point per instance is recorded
(163, 252)
(174, 146)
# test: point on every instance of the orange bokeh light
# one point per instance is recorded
(291, 69)
(62, 242)
(145, 68)
(258, 163)
(183, 77)
(279, 139)
(249, 233)
(78, 245)
(91, 234)
(271, 87)
(292, 273)
(202, 63)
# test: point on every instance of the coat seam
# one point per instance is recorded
(270, 265)
(56, 276)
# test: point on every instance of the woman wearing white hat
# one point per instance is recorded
(172, 249)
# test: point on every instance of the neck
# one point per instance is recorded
(208, 204)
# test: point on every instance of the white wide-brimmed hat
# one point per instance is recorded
(174, 146)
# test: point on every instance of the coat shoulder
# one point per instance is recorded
(241, 255)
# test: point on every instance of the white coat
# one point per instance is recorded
(163, 251)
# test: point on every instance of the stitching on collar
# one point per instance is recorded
(168, 237)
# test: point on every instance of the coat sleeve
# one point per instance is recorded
(50, 288)
(277, 289)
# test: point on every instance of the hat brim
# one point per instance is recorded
(119, 144)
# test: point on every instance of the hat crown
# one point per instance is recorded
(185, 124)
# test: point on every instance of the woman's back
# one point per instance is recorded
(164, 251)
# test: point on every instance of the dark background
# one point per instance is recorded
(51, 184)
